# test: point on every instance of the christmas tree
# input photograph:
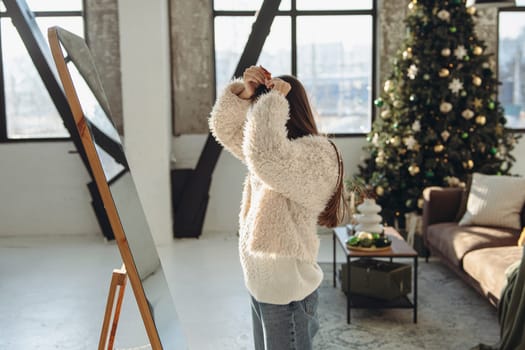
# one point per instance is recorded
(439, 119)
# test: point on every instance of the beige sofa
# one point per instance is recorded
(478, 254)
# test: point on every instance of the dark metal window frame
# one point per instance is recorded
(4, 138)
(293, 13)
(500, 10)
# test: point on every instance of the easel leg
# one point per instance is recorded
(118, 279)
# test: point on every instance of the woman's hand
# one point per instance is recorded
(253, 77)
(279, 85)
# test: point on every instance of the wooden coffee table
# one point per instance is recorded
(399, 249)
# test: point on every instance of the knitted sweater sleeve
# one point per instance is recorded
(304, 170)
(227, 118)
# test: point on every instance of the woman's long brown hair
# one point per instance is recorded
(302, 123)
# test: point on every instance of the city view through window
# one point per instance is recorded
(29, 111)
(511, 66)
(334, 64)
(334, 61)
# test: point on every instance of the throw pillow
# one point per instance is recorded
(495, 200)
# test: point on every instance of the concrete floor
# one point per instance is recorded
(53, 292)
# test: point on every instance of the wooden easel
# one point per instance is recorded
(118, 281)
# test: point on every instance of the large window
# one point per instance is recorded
(327, 44)
(511, 64)
(28, 112)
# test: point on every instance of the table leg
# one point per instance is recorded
(348, 293)
(415, 289)
(333, 236)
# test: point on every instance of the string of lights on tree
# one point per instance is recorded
(439, 119)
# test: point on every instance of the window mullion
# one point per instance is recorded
(375, 73)
(3, 116)
(294, 37)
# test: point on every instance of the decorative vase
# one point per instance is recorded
(369, 219)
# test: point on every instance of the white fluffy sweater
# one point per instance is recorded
(288, 185)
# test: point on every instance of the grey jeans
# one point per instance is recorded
(285, 327)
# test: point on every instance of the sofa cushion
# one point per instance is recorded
(495, 200)
(488, 267)
(453, 241)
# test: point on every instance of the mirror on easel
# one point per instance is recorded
(107, 160)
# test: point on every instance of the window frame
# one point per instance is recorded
(519, 8)
(4, 137)
(294, 13)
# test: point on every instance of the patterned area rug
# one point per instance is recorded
(451, 316)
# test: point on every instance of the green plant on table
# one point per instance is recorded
(369, 240)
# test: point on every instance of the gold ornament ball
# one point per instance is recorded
(481, 119)
(420, 203)
(445, 52)
(443, 73)
(380, 190)
(445, 107)
(395, 141)
(471, 10)
(439, 148)
(385, 114)
(469, 164)
(388, 85)
(476, 80)
(413, 169)
(477, 50)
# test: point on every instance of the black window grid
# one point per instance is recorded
(294, 13)
(4, 137)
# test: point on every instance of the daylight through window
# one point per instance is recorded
(511, 64)
(323, 51)
(28, 112)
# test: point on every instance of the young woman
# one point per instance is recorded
(294, 182)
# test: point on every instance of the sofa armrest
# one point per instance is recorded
(441, 204)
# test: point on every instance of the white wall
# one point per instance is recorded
(144, 52)
(226, 187)
(43, 191)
